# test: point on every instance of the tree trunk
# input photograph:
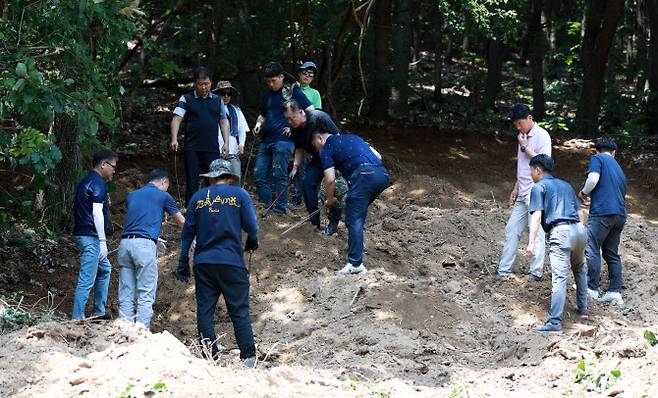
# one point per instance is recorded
(379, 98)
(402, 53)
(652, 103)
(494, 73)
(601, 20)
(59, 201)
(439, 49)
(642, 34)
(536, 56)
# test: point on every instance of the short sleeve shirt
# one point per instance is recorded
(303, 136)
(145, 209)
(272, 110)
(313, 95)
(216, 215)
(557, 201)
(608, 196)
(92, 189)
(201, 116)
(346, 152)
(538, 141)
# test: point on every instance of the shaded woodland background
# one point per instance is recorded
(73, 73)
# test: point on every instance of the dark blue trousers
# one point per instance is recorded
(213, 280)
(366, 183)
(312, 178)
(196, 163)
(604, 233)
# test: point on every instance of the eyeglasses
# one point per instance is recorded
(308, 73)
(113, 166)
(225, 93)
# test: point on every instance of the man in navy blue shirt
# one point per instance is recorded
(366, 176)
(606, 186)
(91, 218)
(275, 150)
(554, 206)
(138, 253)
(204, 113)
(304, 123)
(216, 215)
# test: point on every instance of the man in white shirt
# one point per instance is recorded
(533, 140)
(238, 128)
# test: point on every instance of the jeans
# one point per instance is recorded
(196, 162)
(567, 250)
(271, 172)
(366, 183)
(296, 188)
(518, 222)
(138, 279)
(310, 184)
(213, 280)
(92, 272)
(604, 233)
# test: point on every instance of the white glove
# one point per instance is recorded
(102, 253)
(193, 246)
(162, 246)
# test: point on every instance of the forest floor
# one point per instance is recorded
(428, 319)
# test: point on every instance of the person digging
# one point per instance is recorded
(215, 216)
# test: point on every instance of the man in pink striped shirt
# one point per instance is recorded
(533, 140)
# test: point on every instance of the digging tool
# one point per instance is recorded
(176, 175)
(299, 223)
(246, 170)
(274, 202)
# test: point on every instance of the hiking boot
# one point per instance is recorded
(593, 294)
(535, 277)
(583, 313)
(350, 269)
(550, 328)
(331, 229)
(250, 363)
(614, 297)
(500, 275)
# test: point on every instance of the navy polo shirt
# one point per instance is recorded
(272, 110)
(201, 116)
(92, 189)
(216, 215)
(345, 153)
(556, 199)
(145, 208)
(608, 196)
(303, 136)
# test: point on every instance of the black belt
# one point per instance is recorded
(140, 237)
(565, 222)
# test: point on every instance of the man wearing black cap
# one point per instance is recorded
(275, 150)
(215, 216)
(307, 72)
(532, 140)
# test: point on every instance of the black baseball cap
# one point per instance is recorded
(272, 69)
(519, 111)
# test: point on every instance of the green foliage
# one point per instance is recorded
(14, 315)
(595, 376)
(555, 125)
(650, 337)
(35, 150)
(460, 391)
(495, 19)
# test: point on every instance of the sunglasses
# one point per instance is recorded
(226, 93)
(308, 73)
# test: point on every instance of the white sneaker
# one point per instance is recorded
(350, 269)
(593, 294)
(614, 297)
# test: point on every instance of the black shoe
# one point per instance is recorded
(331, 229)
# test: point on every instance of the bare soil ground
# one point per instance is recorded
(428, 319)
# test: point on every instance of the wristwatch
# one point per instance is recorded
(523, 147)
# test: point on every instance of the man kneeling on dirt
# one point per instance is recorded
(215, 216)
(366, 176)
(554, 205)
(138, 268)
